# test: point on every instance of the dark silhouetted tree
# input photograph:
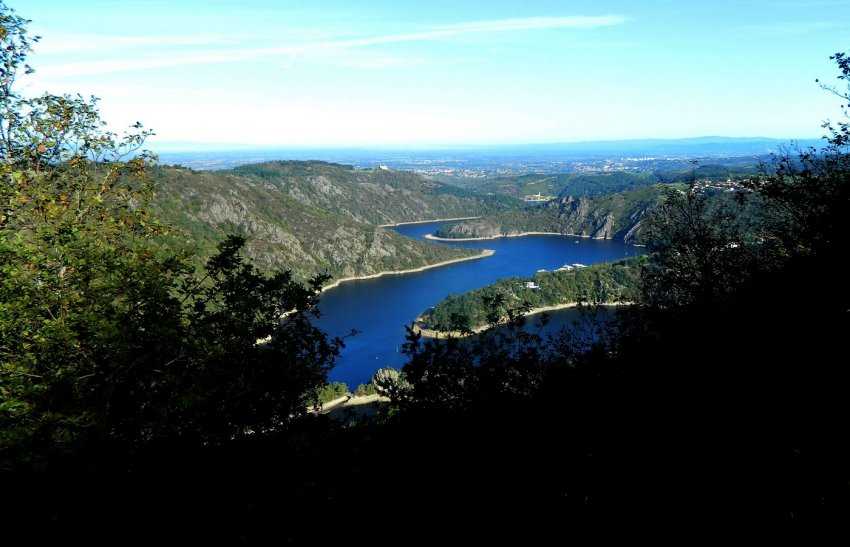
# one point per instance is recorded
(107, 334)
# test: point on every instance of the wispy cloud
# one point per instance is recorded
(75, 43)
(533, 23)
(95, 67)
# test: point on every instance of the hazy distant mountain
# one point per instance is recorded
(222, 157)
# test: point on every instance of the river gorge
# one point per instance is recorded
(378, 309)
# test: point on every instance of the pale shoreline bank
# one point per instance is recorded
(432, 237)
(347, 401)
(484, 254)
(394, 224)
(429, 333)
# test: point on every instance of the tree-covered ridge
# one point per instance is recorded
(574, 184)
(615, 282)
(374, 196)
(603, 183)
(711, 172)
(612, 216)
(282, 232)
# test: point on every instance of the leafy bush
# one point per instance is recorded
(364, 390)
(331, 391)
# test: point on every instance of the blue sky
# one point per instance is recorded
(414, 73)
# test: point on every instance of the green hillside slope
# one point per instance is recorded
(574, 184)
(284, 232)
(375, 196)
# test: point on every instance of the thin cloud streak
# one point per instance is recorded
(73, 43)
(533, 23)
(89, 68)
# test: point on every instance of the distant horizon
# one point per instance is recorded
(166, 146)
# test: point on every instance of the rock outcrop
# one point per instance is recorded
(613, 216)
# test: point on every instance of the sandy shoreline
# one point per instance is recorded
(393, 224)
(429, 333)
(349, 401)
(484, 254)
(432, 237)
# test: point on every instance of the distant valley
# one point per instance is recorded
(319, 217)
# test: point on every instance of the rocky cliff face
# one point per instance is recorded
(372, 196)
(473, 229)
(282, 232)
(601, 219)
(614, 216)
(579, 216)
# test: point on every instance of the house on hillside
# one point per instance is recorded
(537, 198)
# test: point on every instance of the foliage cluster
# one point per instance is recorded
(108, 336)
(615, 282)
(331, 391)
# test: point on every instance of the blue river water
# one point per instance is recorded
(378, 309)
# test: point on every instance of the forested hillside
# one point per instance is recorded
(374, 196)
(575, 184)
(313, 217)
(590, 184)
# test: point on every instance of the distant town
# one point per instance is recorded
(467, 165)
